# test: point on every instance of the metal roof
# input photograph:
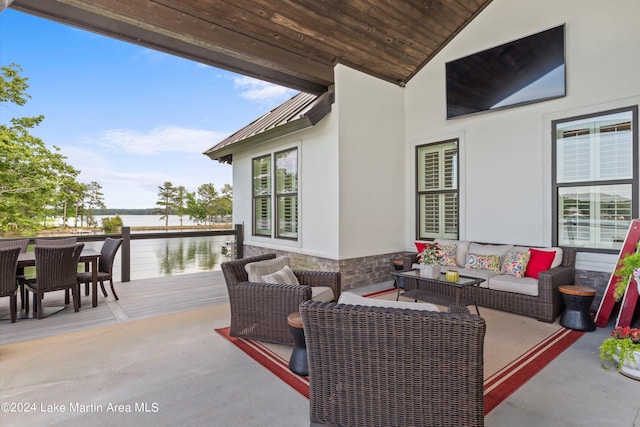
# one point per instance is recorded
(300, 112)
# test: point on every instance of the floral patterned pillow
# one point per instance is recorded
(449, 255)
(483, 262)
(515, 262)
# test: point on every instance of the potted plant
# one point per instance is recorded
(623, 348)
(429, 260)
(628, 269)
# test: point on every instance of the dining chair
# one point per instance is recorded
(8, 283)
(105, 266)
(56, 269)
(62, 241)
(20, 278)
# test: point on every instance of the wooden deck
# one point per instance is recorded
(138, 299)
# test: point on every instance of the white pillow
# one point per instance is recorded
(284, 276)
(257, 269)
(355, 299)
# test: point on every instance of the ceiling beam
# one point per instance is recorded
(146, 23)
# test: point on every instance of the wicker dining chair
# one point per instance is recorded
(59, 241)
(20, 278)
(56, 269)
(105, 266)
(259, 310)
(378, 366)
(8, 283)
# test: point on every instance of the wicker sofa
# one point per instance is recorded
(259, 310)
(377, 366)
(541, 300)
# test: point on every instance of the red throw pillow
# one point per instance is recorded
(539, 261)
(420, 246)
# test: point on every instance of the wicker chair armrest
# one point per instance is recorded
(331, 279)
(408, 260)
(550, 280)
(269, 293)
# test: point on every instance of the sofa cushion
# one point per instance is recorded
(284, 276)
(355, 299)
(518, 285)
(462, 247)
(539, 261)
(256, 270)
(515, 262)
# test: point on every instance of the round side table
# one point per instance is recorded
(298, 362)
(577, 307)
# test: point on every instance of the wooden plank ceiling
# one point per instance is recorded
(294, 43)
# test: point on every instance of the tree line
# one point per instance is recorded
(202, 206)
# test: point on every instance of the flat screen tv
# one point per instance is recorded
(523, 71)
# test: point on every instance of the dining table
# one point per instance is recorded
(87, 257)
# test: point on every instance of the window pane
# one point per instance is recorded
(262, 216)
(437, 204)
(288, 217)
(262, 176)
(595, 148)
(287, 171)
(596, 216)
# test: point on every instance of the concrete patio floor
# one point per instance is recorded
(227, 388)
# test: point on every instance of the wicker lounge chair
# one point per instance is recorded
(8, 283)
(259, 310)
(376, 366)
(56, 269)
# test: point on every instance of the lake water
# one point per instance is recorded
(167, 257)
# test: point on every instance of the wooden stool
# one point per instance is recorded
(298, 362)
(577, 307)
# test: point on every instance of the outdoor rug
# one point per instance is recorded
(516, 349)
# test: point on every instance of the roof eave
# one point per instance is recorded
(309, 119)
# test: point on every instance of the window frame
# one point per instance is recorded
(273, 196)
(557, 187)
(442, 191)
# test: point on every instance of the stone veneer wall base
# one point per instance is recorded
(356, 272)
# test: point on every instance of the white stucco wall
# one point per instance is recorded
(506, 155)
(318, 189)
(371, 159)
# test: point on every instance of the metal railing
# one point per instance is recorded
(125, 233)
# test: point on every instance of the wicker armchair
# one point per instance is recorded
(259, 310)
(375, 366)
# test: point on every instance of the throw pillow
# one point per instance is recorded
(483, 262)
(515, 262)
(420, 246)
(449, 258)
(283, 276)
(539, 261)
(257, 269)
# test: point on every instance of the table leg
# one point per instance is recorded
(94, 282)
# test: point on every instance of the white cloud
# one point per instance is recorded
(263, 92)
(163, 139)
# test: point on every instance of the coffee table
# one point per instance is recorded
(437, 291)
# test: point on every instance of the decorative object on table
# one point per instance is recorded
(429, 260)
(623, 348)
(452, 276)
(627, 270)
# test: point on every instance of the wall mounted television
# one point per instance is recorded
(530, 69)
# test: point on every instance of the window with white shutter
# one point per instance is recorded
(275, 190)
(595, 179)
(437, 190)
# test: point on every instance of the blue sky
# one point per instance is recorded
(128, 117)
